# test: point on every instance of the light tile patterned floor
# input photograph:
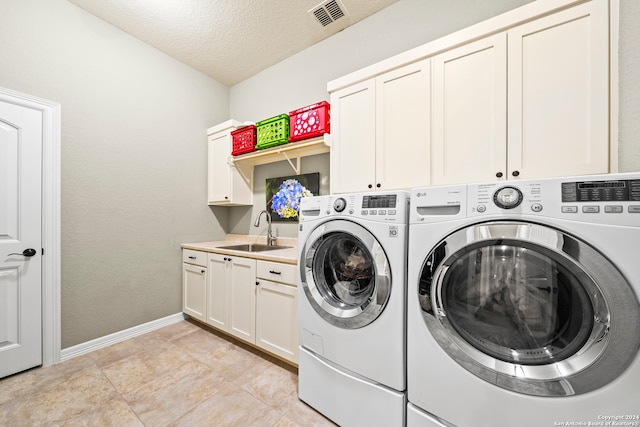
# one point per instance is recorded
(180, 375)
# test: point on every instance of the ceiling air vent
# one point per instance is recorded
(328, 12)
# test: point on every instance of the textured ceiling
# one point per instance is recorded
(229, 40)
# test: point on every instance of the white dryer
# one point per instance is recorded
(522, 305)
(352, 298)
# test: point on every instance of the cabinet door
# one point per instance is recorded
(277, 319)
(194, 288)
(470, 112)
(403, 127)
(242, 298)
(558, 94)
(219, 150)
(353, 138)
(217, 291)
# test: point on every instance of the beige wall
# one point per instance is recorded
(133, 160)
(629, 87)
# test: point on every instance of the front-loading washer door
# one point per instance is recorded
(529, 308)
(345, 273)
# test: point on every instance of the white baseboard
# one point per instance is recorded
(116, 337)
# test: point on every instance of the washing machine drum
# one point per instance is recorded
(529, 308)
(345, 274)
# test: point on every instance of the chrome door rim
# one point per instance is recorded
(616, 313)
(344, 316)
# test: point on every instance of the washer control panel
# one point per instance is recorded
(382, 207)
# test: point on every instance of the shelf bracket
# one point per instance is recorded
(296, 167)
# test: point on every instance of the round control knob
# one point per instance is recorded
(507, 197)
(339, 204)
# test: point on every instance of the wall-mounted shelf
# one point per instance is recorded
(295, 150)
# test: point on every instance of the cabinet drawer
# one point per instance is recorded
(194, 257)
(277, 272)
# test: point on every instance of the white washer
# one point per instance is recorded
(522, 304)
(352, 297)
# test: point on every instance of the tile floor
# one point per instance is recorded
(180, 375)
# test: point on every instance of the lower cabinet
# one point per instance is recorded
(277, 310)
(231, 295)
(194, 283)
(253, 300)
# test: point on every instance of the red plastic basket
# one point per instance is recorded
(309, 122)
(244, 140)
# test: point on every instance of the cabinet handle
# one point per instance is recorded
(515, 173)
(274, 272)
(370, 186)
(499, 175)
(202, 271)
(257, 283)
(191, 257)
(378, 185)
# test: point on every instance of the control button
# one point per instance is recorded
(351, 211)
(634, 209)
(382, 212)
(481, 208)
(373, 212)
(613, 209)
(392, 211)
(569, 209)
(536, 207)
(364, 212)
(591, 209)
(340, 204)
(507, 197)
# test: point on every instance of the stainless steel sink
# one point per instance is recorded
(253, 247)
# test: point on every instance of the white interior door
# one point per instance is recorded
(21, 133)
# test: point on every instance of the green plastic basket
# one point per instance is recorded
(272, 132)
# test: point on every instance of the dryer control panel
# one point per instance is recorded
(602, 199)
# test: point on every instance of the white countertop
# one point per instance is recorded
(286, 256)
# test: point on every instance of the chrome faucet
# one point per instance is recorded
(270, 239)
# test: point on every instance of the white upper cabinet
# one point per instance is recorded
(470, 112)
(523, 95)
(403, 127)
(381, 131)
(226, 185)
(559, 94)
(353, 131)
(529, 102)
